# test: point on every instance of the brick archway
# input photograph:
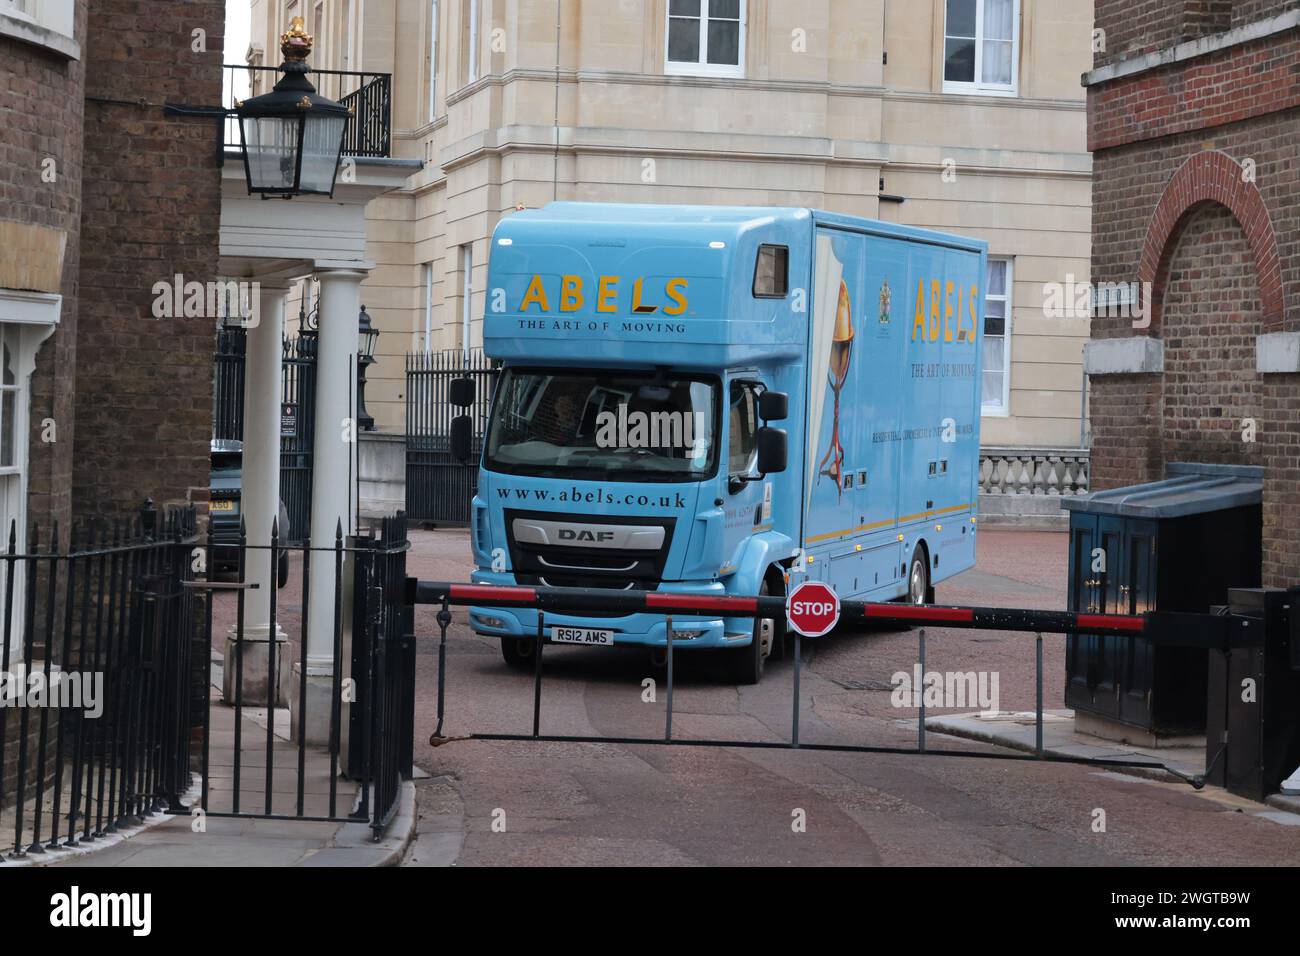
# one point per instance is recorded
(1213, 176)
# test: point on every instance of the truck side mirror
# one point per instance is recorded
(461, 438)
(774, 406)
(461, 392)
(772, 457)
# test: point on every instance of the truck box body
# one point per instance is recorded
(603, 313)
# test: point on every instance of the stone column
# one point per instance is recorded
(333, 493)
(260, 505)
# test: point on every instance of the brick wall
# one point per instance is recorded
(41, 105)
(1134, 27)
(1248, 11)
(1220, 238)
(1226, 87)
(152, 210)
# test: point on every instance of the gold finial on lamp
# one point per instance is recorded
(296, 43)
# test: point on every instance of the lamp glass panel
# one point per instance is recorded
(320, 152)
(272, 144)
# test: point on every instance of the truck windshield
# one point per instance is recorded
(603, 425)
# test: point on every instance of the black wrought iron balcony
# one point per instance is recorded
(369, 129)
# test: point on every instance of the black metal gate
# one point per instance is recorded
(297, 415)
(354, 734)
(438, 487)
(298, 432)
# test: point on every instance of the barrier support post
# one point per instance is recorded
(794, 731)
(537, 673)
(920, 721)
(668, 721)
(1039, 724)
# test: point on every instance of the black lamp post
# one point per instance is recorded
(367, 339)
(292, 136)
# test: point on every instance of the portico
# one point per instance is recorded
(275, 243)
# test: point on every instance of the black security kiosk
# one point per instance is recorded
(1172, 545)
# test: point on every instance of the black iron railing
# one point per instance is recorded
(438, 487)
(369, 129)
(97, 670)
(297, 415)
(228, 385)
(360, 731)
(109, 694)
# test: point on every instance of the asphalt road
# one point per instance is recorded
(526, 803)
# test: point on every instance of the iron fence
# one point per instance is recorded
(110, 695)
(96, 653)
(368, 130)
(264, 687)
(298, 398)
(298, 415)
(228, 385)
(439, 488)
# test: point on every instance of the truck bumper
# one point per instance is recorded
(645, 630)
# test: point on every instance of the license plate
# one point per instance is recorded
(582, 635)
(222, 506)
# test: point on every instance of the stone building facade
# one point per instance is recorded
(1193, 119)
(860, 106)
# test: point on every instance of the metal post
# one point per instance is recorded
(444, 619)
(668, 722)
(794, 728)
(920, 721)
(537, 674)
(1039, 729)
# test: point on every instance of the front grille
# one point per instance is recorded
(585, 565)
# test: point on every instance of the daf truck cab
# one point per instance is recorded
(720, 400)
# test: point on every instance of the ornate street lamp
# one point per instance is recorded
(292, 136)
(367, 339)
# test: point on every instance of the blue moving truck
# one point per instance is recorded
(724, 400)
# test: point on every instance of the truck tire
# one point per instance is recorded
(747, 662)
(918, 577)
(518, 653)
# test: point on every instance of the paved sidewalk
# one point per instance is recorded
(201, 839)
(1019, 732)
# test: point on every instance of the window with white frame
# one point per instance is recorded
(427, 346)
(466, 293)
(471, 55)
(346, 34)
(432, 59)
(705, 38)
(995, 396)
(26, 320)
(47, 23)
(981, 46)
(320, 31)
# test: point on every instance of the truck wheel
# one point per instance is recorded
(918, 578)
(747, 662)
(518, 652)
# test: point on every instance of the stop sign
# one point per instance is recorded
(813, 609)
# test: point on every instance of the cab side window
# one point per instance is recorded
(743, 421)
